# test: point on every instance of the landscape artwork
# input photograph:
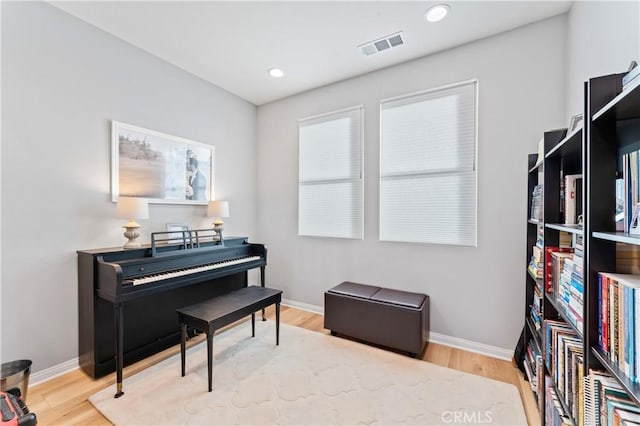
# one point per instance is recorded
(160, 167)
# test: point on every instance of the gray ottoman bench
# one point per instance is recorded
(392, 318)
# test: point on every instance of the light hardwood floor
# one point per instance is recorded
(64, 399)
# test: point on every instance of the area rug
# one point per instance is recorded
(310, 379)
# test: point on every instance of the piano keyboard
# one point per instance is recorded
(189, 271)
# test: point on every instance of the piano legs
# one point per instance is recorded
(262, 269)
(209, 357)
(118, 317)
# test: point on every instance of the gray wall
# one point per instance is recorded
(62, 82)
(603, 37)
(476, 293)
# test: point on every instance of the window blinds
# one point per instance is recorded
(428, 166)
(330, 175)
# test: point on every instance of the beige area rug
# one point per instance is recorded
(311, 378)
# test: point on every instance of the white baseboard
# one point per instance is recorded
(468, 345)
(454, 342)
(55, 371)
(304, 306)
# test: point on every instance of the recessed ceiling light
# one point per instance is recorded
(437, 13)
(276, 72)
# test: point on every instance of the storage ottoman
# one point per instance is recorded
(392, 318)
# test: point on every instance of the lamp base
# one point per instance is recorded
(218, 227)
(131, 234)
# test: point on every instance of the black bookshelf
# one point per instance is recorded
(613, 129)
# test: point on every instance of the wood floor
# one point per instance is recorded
(64, 400)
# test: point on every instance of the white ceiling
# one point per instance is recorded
(233, 44)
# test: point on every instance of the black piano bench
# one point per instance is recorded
(218, 312)
(382, 316)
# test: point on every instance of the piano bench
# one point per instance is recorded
(391, 318)
(218, 312)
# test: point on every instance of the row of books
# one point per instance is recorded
(630, 192)
(536, 203)
(570, 290)
(535, 310)
(606, 403)
(534, 369)
(565, 361)
(535, 263)
(619, 320)
(555, 414)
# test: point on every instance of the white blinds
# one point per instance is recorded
(330, 175)
(428, 166)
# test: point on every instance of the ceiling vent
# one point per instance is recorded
(387, 42)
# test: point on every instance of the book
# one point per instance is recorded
(619, 320)
(572, 198)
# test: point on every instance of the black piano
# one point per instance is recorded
(127, 299)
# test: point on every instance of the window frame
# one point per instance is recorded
(360, 109)
(458, 171)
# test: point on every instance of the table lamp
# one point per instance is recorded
(218, 209)
(132, 208)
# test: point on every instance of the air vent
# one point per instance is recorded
(384, 43)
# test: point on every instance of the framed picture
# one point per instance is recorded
(159, 167)
(574, 122)
(177, 236)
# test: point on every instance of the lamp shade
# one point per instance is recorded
(218, 209)
(132, 208)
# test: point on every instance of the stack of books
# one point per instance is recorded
(570, 290)
(554, 261)
(554, 412)
(606, 403)
(536, 203)
(536, 308)
(535, 264)
(565, 361)
(619, 321)
(631, 191)
(537, 258)
(534, 369)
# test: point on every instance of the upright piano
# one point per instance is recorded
(127, 299)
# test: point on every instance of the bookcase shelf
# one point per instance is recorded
(572, 229)
(538, 281)
(535, 167)
(633, 389)
(571, 145)
(620, 237)
(534, 222)
(625, 106)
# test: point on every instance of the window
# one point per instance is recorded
(428, 166)
(330, 175)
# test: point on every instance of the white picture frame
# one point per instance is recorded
(575, 122)
(159, 167)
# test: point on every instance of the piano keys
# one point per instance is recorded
(139, 293)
